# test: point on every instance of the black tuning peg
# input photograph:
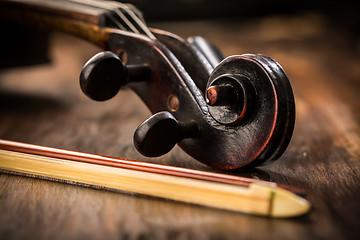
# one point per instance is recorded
(158, 134)
(104, 74)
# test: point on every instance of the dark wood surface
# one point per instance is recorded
(44, 105)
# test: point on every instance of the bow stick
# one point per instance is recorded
(191, 186)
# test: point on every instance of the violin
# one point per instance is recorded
(227, 113)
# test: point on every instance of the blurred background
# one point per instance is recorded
(337, 22)
(343, 12)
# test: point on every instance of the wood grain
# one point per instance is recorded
(43, 105)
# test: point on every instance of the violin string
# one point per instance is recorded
(134, 13)
(102, 5)
(135, 16)
(116, 7)
(111, 17)
(116, 22)
(124, 18)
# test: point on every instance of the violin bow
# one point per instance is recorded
(214, 190)
(227, 113)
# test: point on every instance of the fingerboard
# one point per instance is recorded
(82, 18)
(119, 15)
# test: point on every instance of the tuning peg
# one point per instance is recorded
(104, 74)
(230, 97)
(158, 134)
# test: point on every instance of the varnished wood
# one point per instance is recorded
(44, 105)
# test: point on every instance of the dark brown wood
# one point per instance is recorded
(44, 105)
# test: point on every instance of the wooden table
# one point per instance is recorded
(44, 105)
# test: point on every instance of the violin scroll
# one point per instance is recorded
(252, 95)
(244, 116)
(226, 113)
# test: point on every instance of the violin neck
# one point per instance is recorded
(87, 19)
